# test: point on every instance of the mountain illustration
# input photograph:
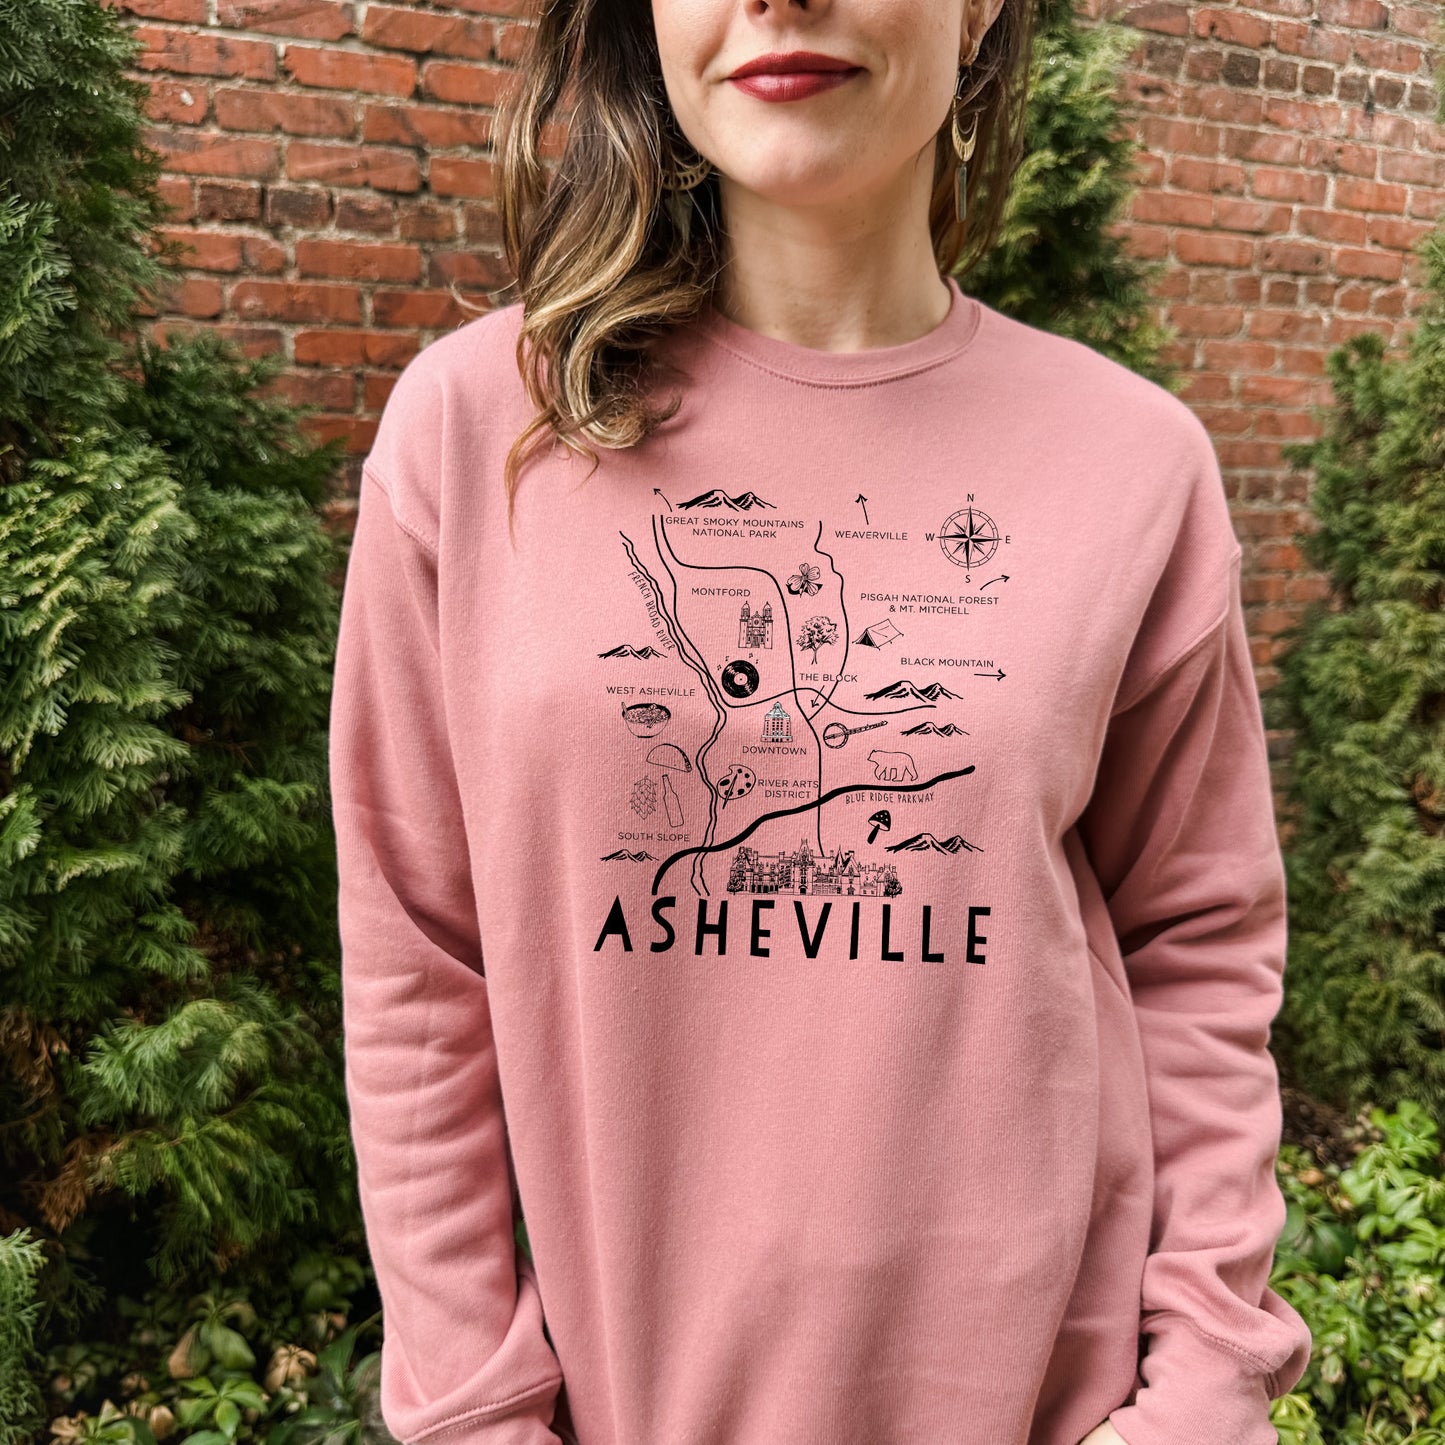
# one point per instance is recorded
(943, 729)
(623, 856)
(919, 841)
(626, 649)
(716, 497)
(904, 688)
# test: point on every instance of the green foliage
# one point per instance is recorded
(1363, 690)
(1061, 263)
(274, 1362)
(1362, 1258)
(21, 1261)
(78, 210)
(171, 1091)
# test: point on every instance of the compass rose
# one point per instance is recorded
(968, 537)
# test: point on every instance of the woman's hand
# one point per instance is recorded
(1103, 1434)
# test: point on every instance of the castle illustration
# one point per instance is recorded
(777, 724)
(838, 873)
(756, 629)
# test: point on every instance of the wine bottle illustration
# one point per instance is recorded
(671, 802)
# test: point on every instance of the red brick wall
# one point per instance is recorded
(328, 163)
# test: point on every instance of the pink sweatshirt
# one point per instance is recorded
(822, 872)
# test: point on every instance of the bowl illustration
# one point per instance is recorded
(646, 719)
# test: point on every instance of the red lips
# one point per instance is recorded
(792, 75)
(790, 62)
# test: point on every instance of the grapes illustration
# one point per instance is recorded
(737, 782)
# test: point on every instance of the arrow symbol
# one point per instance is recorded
(998, 676)
(657, 492)
(1002, 577)
(863, 502)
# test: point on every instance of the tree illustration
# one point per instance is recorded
(816, 632)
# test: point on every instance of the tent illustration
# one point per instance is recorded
(877, 634)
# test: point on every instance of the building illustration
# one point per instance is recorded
(777, 724)
(755, 629)
(836, 874)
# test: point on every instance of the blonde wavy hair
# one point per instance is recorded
(605, 260)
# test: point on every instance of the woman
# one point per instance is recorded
(817, 862)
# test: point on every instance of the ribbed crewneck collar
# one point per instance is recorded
(848, 368)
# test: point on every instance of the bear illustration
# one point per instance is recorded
(892, 767)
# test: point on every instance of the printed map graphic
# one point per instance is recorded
(748, 668)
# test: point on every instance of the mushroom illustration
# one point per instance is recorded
(880, 819)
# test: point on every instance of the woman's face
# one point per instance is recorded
(840, 143)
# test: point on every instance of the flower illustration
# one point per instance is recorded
(806, 580)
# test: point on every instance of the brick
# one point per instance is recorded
(302, 207)
(253, 341)
(1327, 153)
(471, 270)
(318, 389)
(197, 154)
(186, 52)
(1205, 321)
(350, 70)
(434, 310)
(1172, 208)
(423, 126)
(1381, 265)
(1333, 225)
(195, 296)
(1294, 256)
(177, 12)
(1233, 215)
(228, 201)
(343, 165)
(1280, 74)
(1272, 324)
(1273, 147)
(285, 111)
(455, 176)
(1214, 177)
(1233, 27)
(369, 214)
(1397, 235)
(303, 19)
(1237, 356)
(356, 348)
(1205, 249)
(176, 101)
(1400, 56)
(207, 250)
(296, 301)
(1311, 42)
(1357, 195)
(463, 84)
(427, 220)
(1271, 183)
(177, 196)
(358, 262)
(396, 27)
(1159, 15)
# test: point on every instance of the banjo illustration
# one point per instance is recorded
(836, 734)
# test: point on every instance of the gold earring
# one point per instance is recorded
(688, 176)
(963, 146)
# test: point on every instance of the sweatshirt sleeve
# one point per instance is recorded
(464, 1357)
(1181, 832)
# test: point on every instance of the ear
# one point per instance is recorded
(988, 13)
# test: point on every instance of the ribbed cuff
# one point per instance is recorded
(1195, 1393)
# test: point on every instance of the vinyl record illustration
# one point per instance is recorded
(739, 678)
